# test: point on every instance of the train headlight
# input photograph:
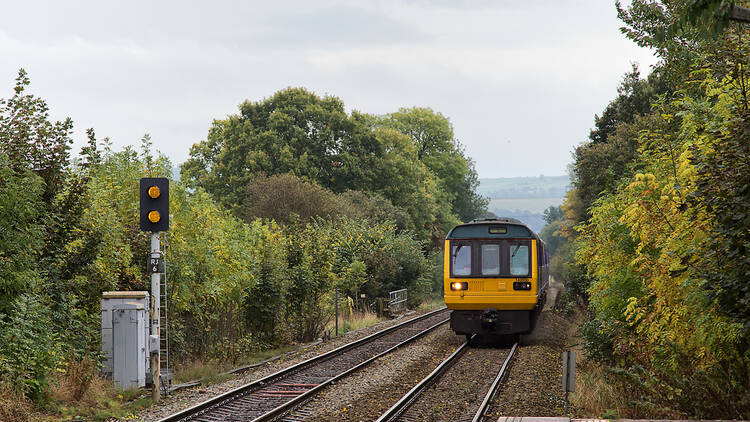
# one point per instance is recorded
(521, 285)
(456, 285)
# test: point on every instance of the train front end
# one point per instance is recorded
(495, 277)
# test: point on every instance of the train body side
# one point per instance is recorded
(493, 293)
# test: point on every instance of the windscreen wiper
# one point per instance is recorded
(458, 248)
(515, 251)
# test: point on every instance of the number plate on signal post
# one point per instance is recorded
(155, 265)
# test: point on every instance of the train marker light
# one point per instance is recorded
(521, 285)
(154, 207)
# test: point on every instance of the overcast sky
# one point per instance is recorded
(520, 80)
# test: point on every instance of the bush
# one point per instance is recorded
(264, 301)
(282, 196)
(28, 350)
(374, 208)
(310, 259)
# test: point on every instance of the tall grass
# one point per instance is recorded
(14, 407)
(354, 320)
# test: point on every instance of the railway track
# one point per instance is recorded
(422, 403)
(274, 396)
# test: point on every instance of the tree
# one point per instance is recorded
(21, 233)
(436, 146)
(600, 165)
(30, 141)
(552, 213)
(285, 198)
(294, 131)
(314, 139)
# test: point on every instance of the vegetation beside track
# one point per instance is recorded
(248, 270)
(654, 237)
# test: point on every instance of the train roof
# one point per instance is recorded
(492, 228)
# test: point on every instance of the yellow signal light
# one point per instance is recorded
(154, 216)
(153, 193)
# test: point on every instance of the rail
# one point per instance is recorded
(299, 396)
(397, 409)
(479, 415)
(403, 404)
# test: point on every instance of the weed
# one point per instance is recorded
(356, 321)
(595, 394)
(73, 380)
(432, 303)
(13, 406)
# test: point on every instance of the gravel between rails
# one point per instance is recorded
(534, 383)
(365, 395)
(183, 399)
(459, 391)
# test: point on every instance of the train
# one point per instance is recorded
(496, 277)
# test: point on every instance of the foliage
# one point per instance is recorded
(436, 146)
(337, 205)
(310, 260)
(656, 225)
(31, 141)
(723, 191)
(20, 232)
(313, 138)
(553, 213)
(600, 165)
(284, 197)
(374, 208)
(552, 232)
(646, 247)
(28, 346)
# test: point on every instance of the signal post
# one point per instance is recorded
(154, 218)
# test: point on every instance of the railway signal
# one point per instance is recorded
(154, 218)
(154, 204)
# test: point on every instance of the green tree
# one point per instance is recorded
(601, 164)
(31, 141)
(294, 131)
(436, 146)
(21, 234)
(314, 139)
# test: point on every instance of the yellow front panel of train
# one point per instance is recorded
(490, 292)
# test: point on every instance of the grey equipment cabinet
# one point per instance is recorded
(125, 333)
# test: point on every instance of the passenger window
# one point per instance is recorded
(462, 260)
(490, 259)
(519, 259)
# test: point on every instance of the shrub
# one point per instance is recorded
(28, 350)
(374, 208)
(282, 196)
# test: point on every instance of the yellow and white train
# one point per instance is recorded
(496, 274)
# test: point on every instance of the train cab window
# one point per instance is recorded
(519, 260)
(461, 259)
(490, 259)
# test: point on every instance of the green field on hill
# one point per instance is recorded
(524, 198)
(534, 205)
(524, 187)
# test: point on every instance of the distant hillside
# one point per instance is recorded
(524, 198)
(525, 187)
